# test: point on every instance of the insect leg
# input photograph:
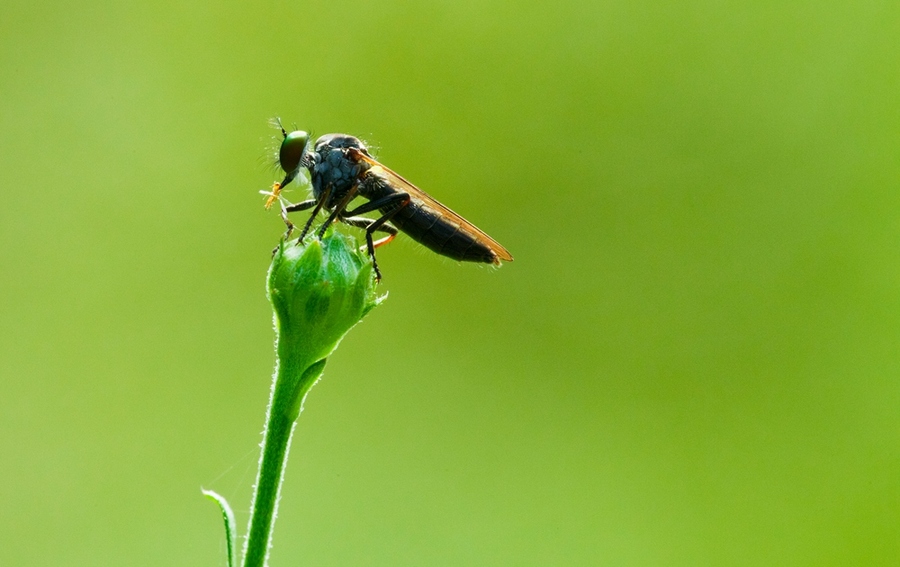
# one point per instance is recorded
(380, 203)
(323, 198)
(394, 202)
(364, 223)
(290, 209)
(338, 209)
(301, 206)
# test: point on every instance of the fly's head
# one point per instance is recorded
(292, 155)
(293, 151)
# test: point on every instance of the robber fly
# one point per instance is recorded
(341, 169)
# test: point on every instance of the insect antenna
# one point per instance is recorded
(275, 122)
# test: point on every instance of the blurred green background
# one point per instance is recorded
(693, 360)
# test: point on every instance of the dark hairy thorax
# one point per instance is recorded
(330, 165)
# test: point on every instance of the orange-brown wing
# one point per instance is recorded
(424, 198)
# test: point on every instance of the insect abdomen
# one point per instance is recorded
(428, 228)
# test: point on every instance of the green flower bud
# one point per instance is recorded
(319, 291)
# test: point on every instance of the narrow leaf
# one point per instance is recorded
(228, 516)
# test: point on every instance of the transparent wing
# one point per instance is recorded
(423, 198)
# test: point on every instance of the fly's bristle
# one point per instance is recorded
(372, 147)
(268, 162)
(270, 157)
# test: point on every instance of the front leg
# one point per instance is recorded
(323, 198)
(292, 208)
(301, 206)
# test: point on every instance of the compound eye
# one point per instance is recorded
(292, 150)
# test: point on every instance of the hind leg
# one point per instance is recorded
(364, 223)
(393, 203)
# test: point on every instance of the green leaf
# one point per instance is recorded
(228, 517)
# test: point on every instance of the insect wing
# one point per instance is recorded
(423, 198)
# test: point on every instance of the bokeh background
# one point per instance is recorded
(693, 359)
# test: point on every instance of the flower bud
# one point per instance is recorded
(319, 291)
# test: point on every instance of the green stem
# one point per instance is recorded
(319, 291)
(294, 376)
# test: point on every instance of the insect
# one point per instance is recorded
(341, 169)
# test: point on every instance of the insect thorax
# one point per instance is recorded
(330, 165)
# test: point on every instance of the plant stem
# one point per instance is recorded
(319, 290)
(294, 377)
